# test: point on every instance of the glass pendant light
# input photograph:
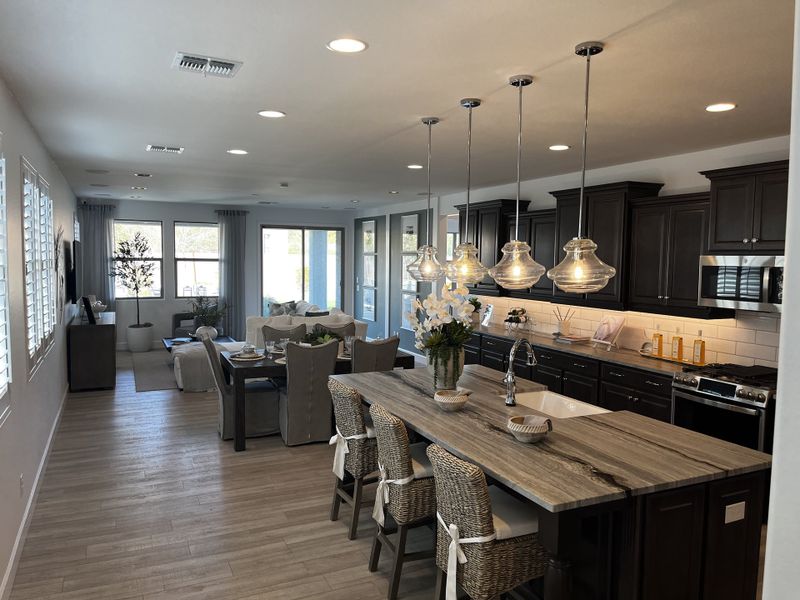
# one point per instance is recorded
(427, 267)
(465, 267)
(517, 270)
(581, 271)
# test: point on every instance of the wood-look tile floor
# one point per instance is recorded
(141, 500)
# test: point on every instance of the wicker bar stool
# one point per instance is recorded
(356, 452)
(487, 539)
(406, 491)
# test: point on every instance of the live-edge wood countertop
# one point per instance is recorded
(584, 461)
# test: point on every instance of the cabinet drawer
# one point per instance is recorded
(471, 356)
(494, 344)
(474, 341)
(640, 380)
(583, 366)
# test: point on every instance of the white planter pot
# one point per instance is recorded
(140, 339)
(206, 331)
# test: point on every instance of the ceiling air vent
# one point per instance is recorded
(167, 149)
(206, 65)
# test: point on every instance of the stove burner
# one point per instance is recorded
(755, 375)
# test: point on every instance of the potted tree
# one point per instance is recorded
(135, 272)
(207, 314)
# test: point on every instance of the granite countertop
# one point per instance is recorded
(584, 461)
(622, 357)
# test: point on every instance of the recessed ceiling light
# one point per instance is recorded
(104, 195)
(142, 175)
(272, 114)
(98, 184)
(138, 187)
(266, 202)
(97, 171)
(559, 147)
(354, 201)
(347, 45)
(237, 151)
(326, 207)
(136, 197)
(720, 107)
(414, 166)
(393, 192)
(284, 184)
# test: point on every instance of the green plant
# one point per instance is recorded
(206, 311)
(133, 269)
(320, 335)
(476, 303)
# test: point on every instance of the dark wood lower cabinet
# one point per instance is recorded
(472, 356)
(619, 397)
(549, 377)
(652, 406)
(579, 387)
(493, 360)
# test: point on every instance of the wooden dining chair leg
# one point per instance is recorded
(399, 556)
(358, 487)
(337, 499)
(375, 555)
(441, 585)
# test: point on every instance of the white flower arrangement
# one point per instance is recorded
(442, 321)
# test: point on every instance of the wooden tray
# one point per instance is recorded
(669, 359)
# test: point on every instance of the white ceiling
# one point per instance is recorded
(94, 78)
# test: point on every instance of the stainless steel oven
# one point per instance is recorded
(743, 282)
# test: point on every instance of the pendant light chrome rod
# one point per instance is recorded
(519, 81)
(430, 122)
(586, 49)
(469, 103)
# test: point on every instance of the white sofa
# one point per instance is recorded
(190, 363)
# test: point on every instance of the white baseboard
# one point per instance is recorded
(8, 577)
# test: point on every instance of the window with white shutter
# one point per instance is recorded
(5, 349)
(37, 224)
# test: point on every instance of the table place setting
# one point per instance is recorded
(248, 352)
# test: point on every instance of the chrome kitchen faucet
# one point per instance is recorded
(510, 380)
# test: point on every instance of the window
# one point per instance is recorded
(301, 264)
(196, 259)
(368, 276)
(151, 230)
(37, 225)
(409, 227)
(5, 350)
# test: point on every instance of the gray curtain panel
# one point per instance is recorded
(232, 248)
(97, 249)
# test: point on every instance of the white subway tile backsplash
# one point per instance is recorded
(760, 322)
(717, 345)
(736, 334)
(733, 358)
(755, 351)
(767, 338)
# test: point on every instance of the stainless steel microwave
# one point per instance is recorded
(742, 282)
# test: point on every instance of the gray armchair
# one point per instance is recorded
(378, 355)
(261, 401)
(342, 330)
(273, 334)
(306, 413)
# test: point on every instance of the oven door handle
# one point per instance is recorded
(723, 405)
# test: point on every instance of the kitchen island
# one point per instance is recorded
(630, 507)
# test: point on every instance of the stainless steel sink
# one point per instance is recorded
(557, 406)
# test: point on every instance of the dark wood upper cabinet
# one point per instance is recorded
(668, 236)
(538, 230)
(748, 208)
(605, 221)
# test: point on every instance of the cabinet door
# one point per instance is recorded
(488, 233)
(493, 360)
(524, 229)
(566, 228)
(472, 356)
(655, 407)
(579, 388)
(649, 232)
(606, 225)
(549, 377)
(521, 369)
(543, 248)
(615, 397)
(687, 242)
(732, 201)
(769, 213)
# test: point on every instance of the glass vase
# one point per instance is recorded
(446, 365)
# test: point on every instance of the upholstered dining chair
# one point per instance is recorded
(273, 334)
(356, 455)
(305, 405)
(377, 355)
(494, 532)
(405, 491)
(342, 330)
(261, 401)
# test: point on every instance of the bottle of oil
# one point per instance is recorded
(677, 346)
(699, 350)
(658, 342)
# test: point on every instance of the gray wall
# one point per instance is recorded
(35, 405)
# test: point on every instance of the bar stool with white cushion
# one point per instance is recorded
(487, 539)
(406, 492)
(356, 455)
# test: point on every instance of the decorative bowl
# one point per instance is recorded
(529, 428)
(451, 400)
(98, 307)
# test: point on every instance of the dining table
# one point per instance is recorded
(239, 371)
(629, 507)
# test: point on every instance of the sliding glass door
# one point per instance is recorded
(370, 274)
(301, 263)
(406, 232)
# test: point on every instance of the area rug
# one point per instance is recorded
(153, 371)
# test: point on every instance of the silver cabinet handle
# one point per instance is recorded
(579, 365)
(614, 374)
(635, 399)
(666, 297)
(754, 240)
(745, 241)
(653, 383)
(661, 297)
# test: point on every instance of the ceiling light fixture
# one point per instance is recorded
(393, 192)
(97, 171)
(517, 270)
(142, 175)
(138, 187)
(465, 266)
(582, 271)
(272, 114)
(355, 201)
(237, 151)
(427, 266)
(559, 147)
(720, 107)
(98, 184)
(415, 167)
(347, 45)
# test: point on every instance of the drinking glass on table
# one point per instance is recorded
(348, 344)
(269, 346)
(284, 343)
